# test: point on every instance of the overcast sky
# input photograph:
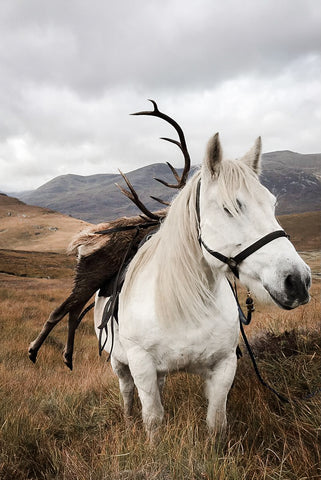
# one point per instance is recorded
(72, 70)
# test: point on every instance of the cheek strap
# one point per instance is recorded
(233, 262)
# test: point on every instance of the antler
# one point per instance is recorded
(132, 195)
(181, 181)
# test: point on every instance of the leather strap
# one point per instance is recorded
(233, 262)
(125, 228)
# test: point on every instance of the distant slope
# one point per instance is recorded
(36, 264)
(295, 180)
(304, 230)
(24, 227)
(286, 159)
(96, 198)
(33, 240)
(293, 177)
(29, 228)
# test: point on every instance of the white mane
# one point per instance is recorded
(186, 283)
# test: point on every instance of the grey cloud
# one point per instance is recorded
(91, 46)
(71, 71)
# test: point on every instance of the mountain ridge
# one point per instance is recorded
(293, 177)
(26, 228)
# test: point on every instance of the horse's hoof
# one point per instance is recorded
(32, 355)
(68, 360)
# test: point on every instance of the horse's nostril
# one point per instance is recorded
(289, 281)
(297, 287)
(308, 282)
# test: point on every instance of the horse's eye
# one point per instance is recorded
(226, 210)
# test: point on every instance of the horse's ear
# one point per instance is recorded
(253, 156)
(213, 155)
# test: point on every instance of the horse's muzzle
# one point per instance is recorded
(294, 291)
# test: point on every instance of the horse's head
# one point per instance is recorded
(236, 211)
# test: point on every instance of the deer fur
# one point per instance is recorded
(99, 258)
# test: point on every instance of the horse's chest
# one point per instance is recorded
(178, 345)
(194, 349)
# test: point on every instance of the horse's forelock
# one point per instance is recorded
(234, 176)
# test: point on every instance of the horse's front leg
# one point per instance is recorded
(126, 385)
(218, 383)
(144, 373)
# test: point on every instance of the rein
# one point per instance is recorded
(233, 263)
(245, 320)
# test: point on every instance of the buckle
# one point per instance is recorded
(233, 266)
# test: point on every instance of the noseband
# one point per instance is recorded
(233, 262)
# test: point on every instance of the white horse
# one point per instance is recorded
(176, 309)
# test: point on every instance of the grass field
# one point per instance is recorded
(57, 424)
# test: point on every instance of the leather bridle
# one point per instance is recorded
(234, 262)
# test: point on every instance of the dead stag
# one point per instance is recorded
(100, 255)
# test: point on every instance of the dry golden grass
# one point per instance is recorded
(25, 227)
(36, 264)
(57, 424)
(304, 228)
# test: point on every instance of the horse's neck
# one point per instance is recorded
(184, 281)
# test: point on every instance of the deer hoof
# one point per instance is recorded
(68, 360)
(32, 355)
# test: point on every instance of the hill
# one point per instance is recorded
(47, 265)
(33, 240)
(304, 230)
(35, 229)
(25, 227)
(293, 177)
(96, 198)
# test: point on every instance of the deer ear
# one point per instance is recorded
(213, 156)
(253, 156)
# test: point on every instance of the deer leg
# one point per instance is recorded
(54, 318)
(72, 327)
